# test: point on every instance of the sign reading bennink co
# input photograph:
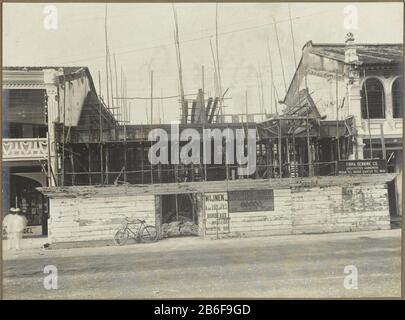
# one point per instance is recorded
(251, 200)
(348, 167)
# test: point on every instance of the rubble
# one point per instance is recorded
(179, 228)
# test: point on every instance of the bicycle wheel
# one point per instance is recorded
(148, 234)
(121, 236)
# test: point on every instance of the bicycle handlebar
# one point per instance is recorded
(134, 220)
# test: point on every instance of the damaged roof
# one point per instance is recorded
(66, 70)
(369, 54)
(69, 73)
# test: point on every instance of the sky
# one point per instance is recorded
(141, 36)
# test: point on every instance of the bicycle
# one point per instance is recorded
(145, 233)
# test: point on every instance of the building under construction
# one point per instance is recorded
(331, 162)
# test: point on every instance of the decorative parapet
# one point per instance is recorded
(25, 149)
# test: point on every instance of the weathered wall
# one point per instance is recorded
(299, 210)
(337, 209)
(301, 205)
(258, 223)
(96, 218)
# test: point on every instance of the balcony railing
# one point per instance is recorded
(25, 149)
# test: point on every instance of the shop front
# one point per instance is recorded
(20, 191)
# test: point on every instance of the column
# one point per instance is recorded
(354, 97)
(51, 86)
(389, 112)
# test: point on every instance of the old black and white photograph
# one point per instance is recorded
(209, 150)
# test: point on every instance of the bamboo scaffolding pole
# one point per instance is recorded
(119, 105)
(337, 111)
(151, 97)
(178, 54)
(273, 88)
(281, 56)
(106, 54)
(216, 85)
(218, 65)
(309, 151)
(279, 150)
(259, 92)
(368, 114)
(262, 94)
(111, 84)
(122, 86)
(151, 119)
(292, 35)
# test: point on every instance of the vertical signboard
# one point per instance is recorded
(216, 213)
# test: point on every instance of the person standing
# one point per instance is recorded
(14, 224)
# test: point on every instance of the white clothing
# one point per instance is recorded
(14, 225)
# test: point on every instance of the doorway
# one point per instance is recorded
(33, 205)
(179, 215)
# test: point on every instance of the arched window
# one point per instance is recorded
(372, 99)
(398, 98)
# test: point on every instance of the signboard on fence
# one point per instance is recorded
(349, 167)
(216, 213)
(251, 200)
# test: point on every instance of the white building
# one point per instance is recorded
(35, 101)
(362, 81)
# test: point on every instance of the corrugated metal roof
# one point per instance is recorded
(368, 53)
